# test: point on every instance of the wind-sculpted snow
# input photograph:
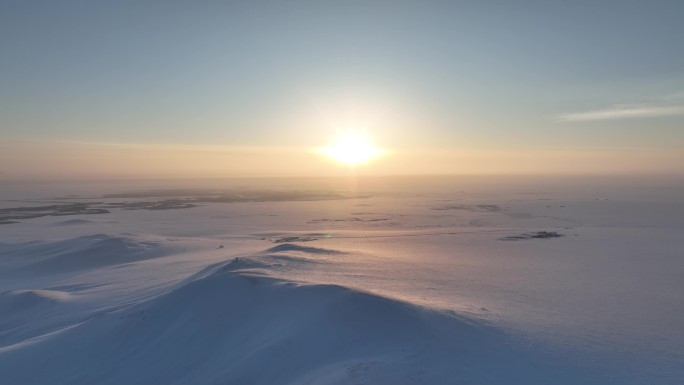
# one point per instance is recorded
(13, 301)
(86, 252)
(27, 313)
(20, 306)
(234, 323)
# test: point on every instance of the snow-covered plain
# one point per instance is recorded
(394, 281)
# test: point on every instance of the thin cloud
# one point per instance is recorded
(668, 105)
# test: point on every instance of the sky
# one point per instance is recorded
(239, 88)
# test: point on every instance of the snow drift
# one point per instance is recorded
(81, 253)
(232, 323)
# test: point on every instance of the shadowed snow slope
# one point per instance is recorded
(79, 253)
(25, 313)
(18, 306)
(232, 323)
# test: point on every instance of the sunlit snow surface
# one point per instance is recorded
(388, 281)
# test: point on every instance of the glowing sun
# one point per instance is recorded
(351, 148)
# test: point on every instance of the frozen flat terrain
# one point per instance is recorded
(370, 281)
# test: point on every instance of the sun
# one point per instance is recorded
(351, 148)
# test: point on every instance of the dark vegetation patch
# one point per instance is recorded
(532, 235)
(171, 204)
(15, 214)
(294, 239)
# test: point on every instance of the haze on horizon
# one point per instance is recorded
(213, 89)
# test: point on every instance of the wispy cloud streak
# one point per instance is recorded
(666, 106)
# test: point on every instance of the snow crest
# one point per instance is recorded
(233, 323)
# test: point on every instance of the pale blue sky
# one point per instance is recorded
(428, 73)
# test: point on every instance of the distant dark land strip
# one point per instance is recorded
(180, 199)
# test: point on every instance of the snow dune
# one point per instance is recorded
(21, 306)
(234, 323)
(81, 253)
